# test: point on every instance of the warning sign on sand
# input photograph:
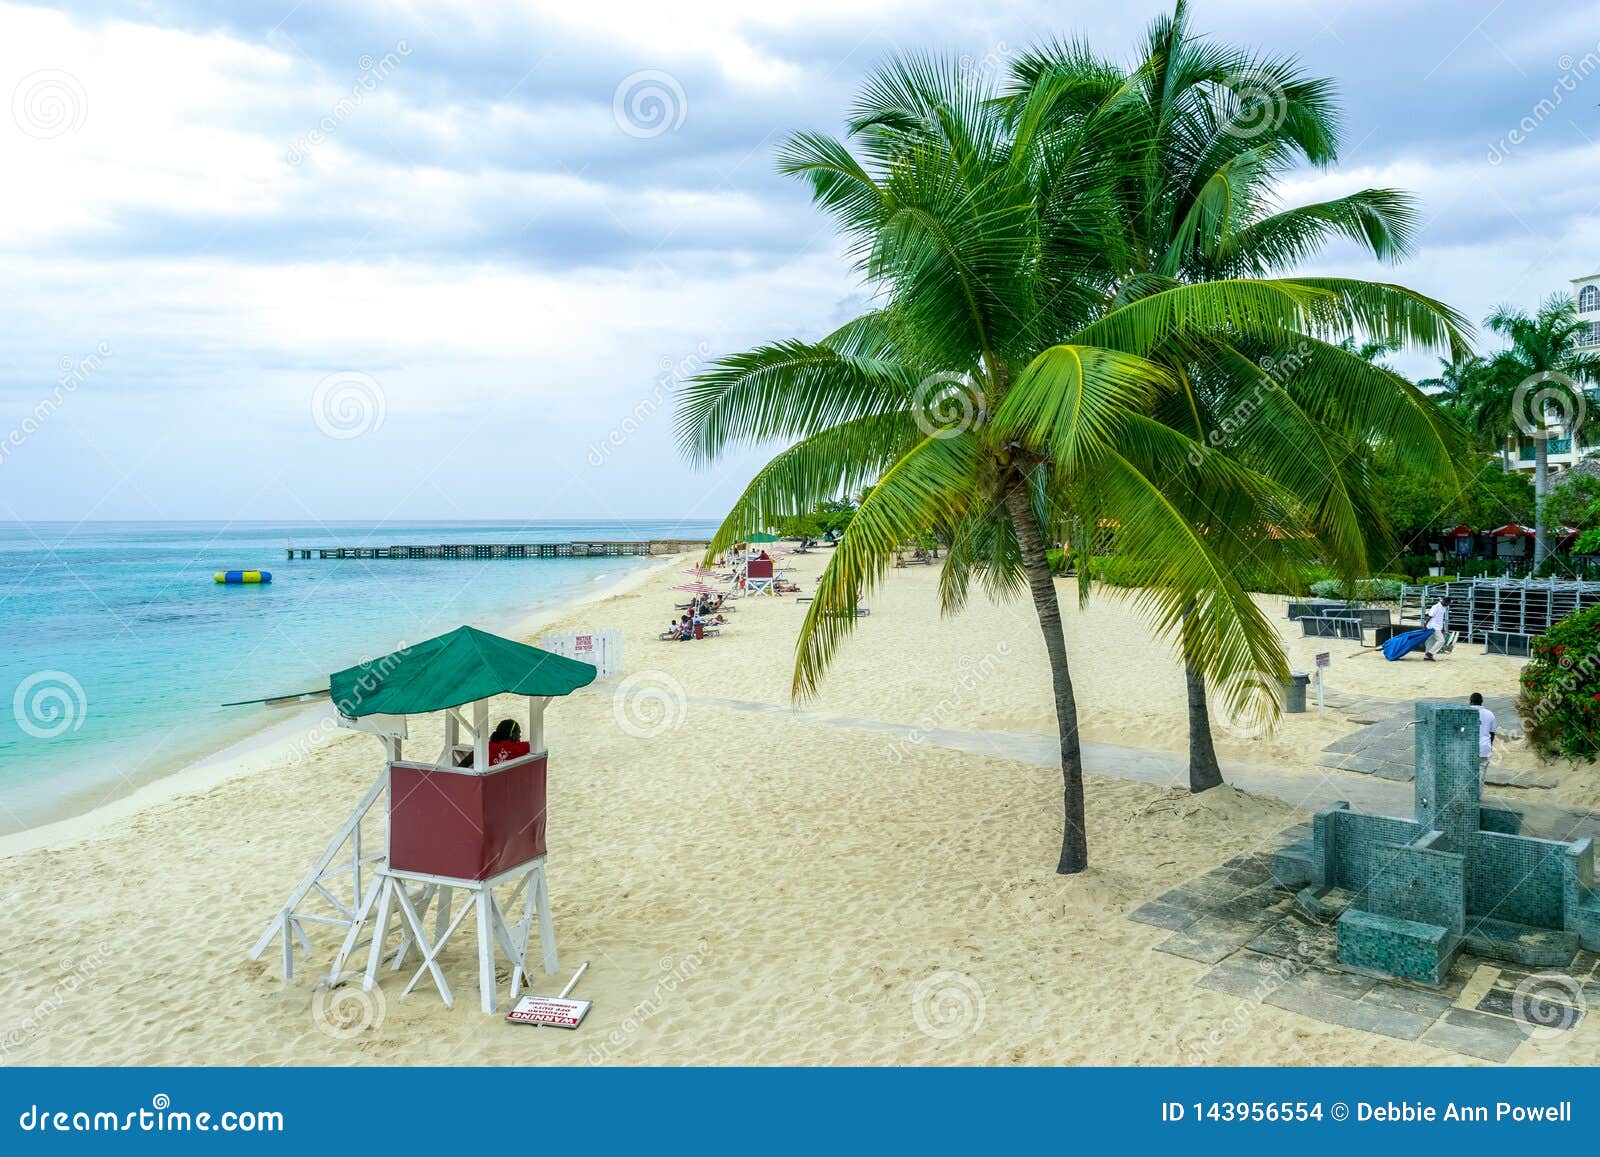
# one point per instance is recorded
(550, 1011)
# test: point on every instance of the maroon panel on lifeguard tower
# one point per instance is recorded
(471, 827)
(759, 568)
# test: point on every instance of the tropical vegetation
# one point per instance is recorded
(1080, 320)
(1560, 701)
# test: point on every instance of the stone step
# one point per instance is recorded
(1520, 943)
(1323, 905)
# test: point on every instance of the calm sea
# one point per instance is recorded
(119, 648)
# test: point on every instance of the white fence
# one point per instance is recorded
(603, 648)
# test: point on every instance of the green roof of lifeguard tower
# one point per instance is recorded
(465, 665)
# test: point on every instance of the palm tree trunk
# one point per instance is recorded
(1541, 487)
(1204, 771)
(1074, 839)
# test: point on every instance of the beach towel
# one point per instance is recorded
(1402, 645)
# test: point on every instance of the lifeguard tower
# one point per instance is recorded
(473, 820)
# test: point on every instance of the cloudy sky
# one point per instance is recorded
(326, 260)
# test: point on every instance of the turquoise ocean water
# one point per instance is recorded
(119, 648)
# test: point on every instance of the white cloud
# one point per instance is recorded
(476, 232)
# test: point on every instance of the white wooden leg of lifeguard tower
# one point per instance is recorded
(547, 924)
(287, 922)
(380, 926)
(430, 954)
(484, 903)
(353, 935)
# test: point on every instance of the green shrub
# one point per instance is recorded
(1058, 561)
(1560, 701)
(1120, 572)
(1372, 590)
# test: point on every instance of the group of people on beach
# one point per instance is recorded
(703, 615)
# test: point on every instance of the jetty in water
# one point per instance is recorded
(477, 550)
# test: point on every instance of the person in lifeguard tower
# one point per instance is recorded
(507, 732)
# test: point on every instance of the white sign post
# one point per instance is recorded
(1324, 661)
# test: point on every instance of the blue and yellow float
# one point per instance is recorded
(233, 577)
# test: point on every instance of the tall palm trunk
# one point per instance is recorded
(1205, 772)
(1041, 584)
(1541, 487)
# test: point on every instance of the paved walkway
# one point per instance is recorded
(1309, 789)
(1384, 747)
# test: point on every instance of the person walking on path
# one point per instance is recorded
(1438, 615)
(1486, 726)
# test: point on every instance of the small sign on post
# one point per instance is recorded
(1324, 661)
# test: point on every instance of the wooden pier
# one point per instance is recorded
(479, 550)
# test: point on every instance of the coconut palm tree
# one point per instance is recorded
(1469, 389)
(1001, 388)
(1542, 374)
(1213, 130)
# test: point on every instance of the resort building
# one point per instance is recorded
(1563, 454)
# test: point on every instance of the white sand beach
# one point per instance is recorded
(750, 883)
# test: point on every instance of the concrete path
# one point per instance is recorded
(1310, 789)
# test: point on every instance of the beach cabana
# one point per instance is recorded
(1512, 540)
(1459, 541)
(470, 820)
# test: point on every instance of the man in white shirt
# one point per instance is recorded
(1438, 615)
(1486, 725)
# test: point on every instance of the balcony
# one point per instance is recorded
(1556, 446)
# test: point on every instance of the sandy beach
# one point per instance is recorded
(750, 882)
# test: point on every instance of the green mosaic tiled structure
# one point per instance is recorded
(1410, 894)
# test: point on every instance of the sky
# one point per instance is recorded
(429, 260)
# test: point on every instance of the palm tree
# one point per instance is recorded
(1543, 369)
(1216, 128)
(1001, 389)
(1470, 390)
(1455, 389)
